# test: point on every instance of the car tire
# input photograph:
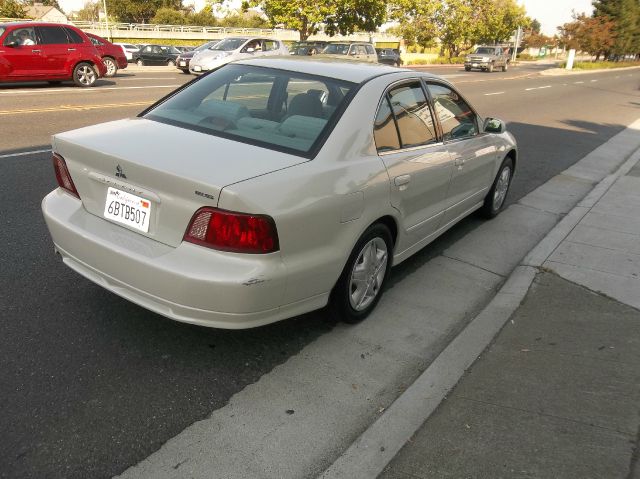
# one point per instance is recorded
(467, 69)
(84, 75)
(495, 199)
(140, 62)
(187, 72)
(361, 283)
(171, 63)
(112, 67)
(505, 67)
(490, 68)
(395, 64)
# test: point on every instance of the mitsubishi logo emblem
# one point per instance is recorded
(120, 173)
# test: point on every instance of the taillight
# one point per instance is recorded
(63, 176)
(236, 232)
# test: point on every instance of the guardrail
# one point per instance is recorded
(140, 30)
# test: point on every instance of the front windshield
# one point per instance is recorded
(205, 46)
(277, 109)
(337, 48)
(228, 44)
(484, 51)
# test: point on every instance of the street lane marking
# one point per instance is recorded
(593, 80)
(496, 93)
(71, 108)
(576, 82)
(25, 153)
(84, 90)
(538, 88)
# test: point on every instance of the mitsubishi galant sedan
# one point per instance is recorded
(272, 187)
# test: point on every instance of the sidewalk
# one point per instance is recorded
(557, 394)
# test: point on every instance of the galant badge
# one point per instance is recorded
(120, 173)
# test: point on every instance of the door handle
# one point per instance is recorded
(36, 51)
(71, 49)
(402, 181)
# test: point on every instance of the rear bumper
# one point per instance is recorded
(188, 283)
(122, 62)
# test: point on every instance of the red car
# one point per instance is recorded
(112, 55)
(33, 51)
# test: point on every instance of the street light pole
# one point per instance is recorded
(106, 19)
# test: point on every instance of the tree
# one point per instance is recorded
(307, 17)
(625, 15)
(89, 13)
(594, 35)
(416, 19)
(136, 11)
(169, 16)
(51, 3)
(204, 17)
(240, 19)
(12, 9)
(499, 19)
(535, 26)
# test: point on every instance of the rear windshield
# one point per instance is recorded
(485, 51)
(277, 109)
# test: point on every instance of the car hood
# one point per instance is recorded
(179, 170)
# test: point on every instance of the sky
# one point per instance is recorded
(550, 13)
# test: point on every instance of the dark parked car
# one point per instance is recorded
(389, 56)
(113, 56)
(307, 48)
(182, 62)
(34, 51)
(156, 55)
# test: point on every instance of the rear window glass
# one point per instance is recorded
(74, 36)
(277, 109)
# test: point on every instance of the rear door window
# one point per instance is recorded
(53, 35)
(413, 115)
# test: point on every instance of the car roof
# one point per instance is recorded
(36, 24)
(346, 70)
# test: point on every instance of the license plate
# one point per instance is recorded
(183, 64)
(197, 68)
(128, 209)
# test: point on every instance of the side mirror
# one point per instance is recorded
(250, 50)
(12, 44)
(493, 125)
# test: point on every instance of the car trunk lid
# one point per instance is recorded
(176, 170)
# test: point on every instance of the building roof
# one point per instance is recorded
(39, 11)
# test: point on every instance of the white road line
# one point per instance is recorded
(618, 76)
(538, 88)
(496, 93)
(25, 153)
(576, 82)
(83, 90)
(593, 81)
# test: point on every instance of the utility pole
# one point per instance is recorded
(106, 19)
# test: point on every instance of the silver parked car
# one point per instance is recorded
(235, 48)
(272, 187)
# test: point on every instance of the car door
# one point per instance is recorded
(474, 153)
(418, 163)
(56, 49)
(25, 61)
(371, 54)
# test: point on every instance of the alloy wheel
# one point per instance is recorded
(368, 273)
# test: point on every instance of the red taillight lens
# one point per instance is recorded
(63, 176)
(236, 232)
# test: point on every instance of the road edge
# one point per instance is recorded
(380, 443)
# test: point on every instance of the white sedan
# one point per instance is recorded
(272, 187)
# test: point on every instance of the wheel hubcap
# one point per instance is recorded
(368, 274)
(111, 68)
(86, 75)
(502, 186)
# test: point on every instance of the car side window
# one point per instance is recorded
(74, 37)
(146, 50)
(270, 45)
(370, 50)
(413, 115)
(385, 132)
(456, 117)
(53, 35)
(21, 36)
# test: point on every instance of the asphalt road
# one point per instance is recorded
(91, 383)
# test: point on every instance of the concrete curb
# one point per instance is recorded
(379, 444)
(563, 72)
